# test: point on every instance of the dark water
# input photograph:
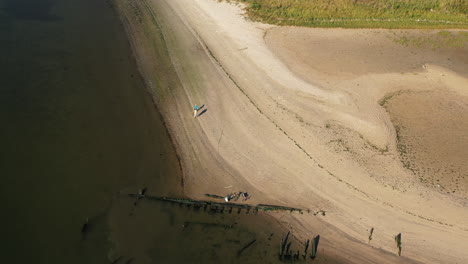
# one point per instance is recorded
(76, 128)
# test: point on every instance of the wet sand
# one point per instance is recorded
(293, 134)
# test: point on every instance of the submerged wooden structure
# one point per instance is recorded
(219, 206)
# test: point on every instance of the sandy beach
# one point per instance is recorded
(350, 122)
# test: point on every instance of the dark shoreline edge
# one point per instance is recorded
(125, 25)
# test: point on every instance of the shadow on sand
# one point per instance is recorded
(202, 112)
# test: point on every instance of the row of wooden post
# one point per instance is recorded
(286, 252)
(219, 207)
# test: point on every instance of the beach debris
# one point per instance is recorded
(141, 194)
(398, 242)
(143, 191)
(296, 256)
(85, 226)
(370, 235)
(269, 207)
(233, 196)
(246, 247)
(271, 235)
(322, 212)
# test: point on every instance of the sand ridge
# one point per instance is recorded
(317, 142)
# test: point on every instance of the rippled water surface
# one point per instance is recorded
(76, 127)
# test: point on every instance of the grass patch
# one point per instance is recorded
(443, 39)
(383, 102)
(361, 13)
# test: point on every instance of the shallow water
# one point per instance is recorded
(77, 127)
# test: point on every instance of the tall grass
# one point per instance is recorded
(362, 13)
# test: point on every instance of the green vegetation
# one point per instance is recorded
(443, 39)
(361, 13)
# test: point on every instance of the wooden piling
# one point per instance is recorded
(398, 242)
(315, 243)
(284, 241)
(288, 251)
(306, 248)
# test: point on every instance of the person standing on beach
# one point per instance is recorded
(195, 110)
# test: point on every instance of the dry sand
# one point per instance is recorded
(432, 137)
(293, 116)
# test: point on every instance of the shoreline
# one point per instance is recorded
(148, 87)
(210, 168)
(259, 224)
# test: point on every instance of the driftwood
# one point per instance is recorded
(246, 247)
(269, 207)
(214, 196)
(370, 235)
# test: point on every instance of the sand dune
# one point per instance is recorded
(293, 116)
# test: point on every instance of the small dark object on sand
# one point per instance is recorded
(116, 260)
(85, 226)
(143, 191)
